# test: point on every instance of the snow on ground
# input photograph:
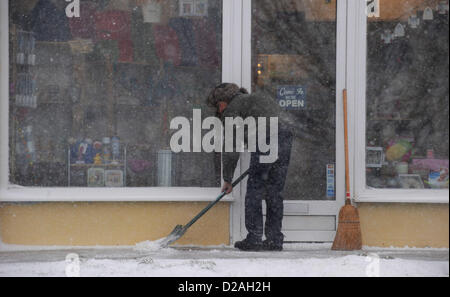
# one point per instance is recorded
(352, 265)
(146, 259)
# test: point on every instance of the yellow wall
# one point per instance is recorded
(400, 225)
(110, 223)
(116, 223)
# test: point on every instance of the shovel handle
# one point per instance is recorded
(240, 178)
(223, 194)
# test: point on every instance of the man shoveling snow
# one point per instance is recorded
(266, 180)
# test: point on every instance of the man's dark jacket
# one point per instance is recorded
(250, 105)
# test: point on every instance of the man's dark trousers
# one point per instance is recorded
(266, 181)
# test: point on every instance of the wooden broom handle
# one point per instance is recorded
(347, 176)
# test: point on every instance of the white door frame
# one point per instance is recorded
(241, 28)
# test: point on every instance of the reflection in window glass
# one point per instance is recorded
(92, 97)
(294, 62)
(407, 95)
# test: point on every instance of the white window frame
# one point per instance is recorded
(11, 193)
(356, 68)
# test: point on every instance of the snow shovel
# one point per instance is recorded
(180, 230)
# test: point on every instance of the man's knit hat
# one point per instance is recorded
(224, 92)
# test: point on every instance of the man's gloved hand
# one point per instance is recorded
(227, 188)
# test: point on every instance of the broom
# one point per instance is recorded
(348, 235)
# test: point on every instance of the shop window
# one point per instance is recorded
(92, 96)
(407, 144)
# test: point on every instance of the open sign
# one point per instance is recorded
(291, 97)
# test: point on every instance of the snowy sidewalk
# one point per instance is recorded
(223, 261)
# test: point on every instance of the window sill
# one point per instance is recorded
(402, 196)
(175, 194)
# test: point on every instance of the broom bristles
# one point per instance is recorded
(348, 235)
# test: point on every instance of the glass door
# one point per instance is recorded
(294, 51)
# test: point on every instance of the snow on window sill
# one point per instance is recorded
(175, 194)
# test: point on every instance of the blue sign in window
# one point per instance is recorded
(291, 97)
